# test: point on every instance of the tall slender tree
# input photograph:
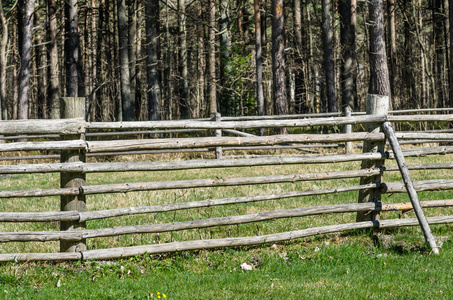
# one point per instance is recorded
(26, 48)
(72, 48)
(128, 106)
(3, 62)
(278, 62)
(329, 67)
(347, 10)
(153, 45)
(211, 60)
(226, 96)
(52, 48)
(183, 61)
(259, 60)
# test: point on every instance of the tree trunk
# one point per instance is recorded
(328, 57)
(183, 61)
(259, 62)
(211, 58)
(201, 62)
(450, 69)
(379, 76)
(24, 78)
(3, 62)
(54, 81)
(153, 45)
(348, 67)
(438, 32)
(41, 59)
(226, 95)
(278, 62)
(72, 49)
(128, 106)
(393, 59)
(133, 52)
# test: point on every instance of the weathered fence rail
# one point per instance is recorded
(76, 235)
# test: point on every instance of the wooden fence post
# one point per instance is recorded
(218, 133)
(72, 107)
(375, 105)
(348, 129)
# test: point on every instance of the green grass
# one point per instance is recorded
(337, 267)
(346, 266)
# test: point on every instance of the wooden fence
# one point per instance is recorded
(75, 190)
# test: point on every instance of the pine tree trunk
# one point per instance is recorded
(3, 62)
(132, 34)
(392, 59)
(348, 68)
(259, 62)
(278, 62)
(72, 49)
(54, 81)
(26, 48)
(41, 60)
(128, 105)
(211, 57)
(226, 96)
(379, 76)
(153, 45)
(183, 61)
(201, 62)
(329, 67)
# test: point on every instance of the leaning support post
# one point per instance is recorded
(73, 107)
(388, 130)
(376, 105)
(218, 133)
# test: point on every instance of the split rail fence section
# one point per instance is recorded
(75, 191)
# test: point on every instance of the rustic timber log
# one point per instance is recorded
(422, 167)
(124, 145)
(421, 118)
(420, 186)
(68, 126)
(44, 236)
(189, 124)
(177, 165)
(424, 135)
(216, 243)
(410, 187)
(57, 145)
(195, 183)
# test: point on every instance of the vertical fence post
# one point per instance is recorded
(73, 107)
(348, 129)
(218, 133)
(375, 105)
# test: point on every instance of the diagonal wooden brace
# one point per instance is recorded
(390, 134)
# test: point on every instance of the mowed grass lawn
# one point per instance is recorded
(339, 266)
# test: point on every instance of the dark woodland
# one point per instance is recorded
(179, 59)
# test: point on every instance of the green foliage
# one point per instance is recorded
(238, 92)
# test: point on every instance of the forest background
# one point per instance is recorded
(172, 59)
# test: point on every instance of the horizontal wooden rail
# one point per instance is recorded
(129, 211)
(194, 183)
(63, 126)
(125, 145)
(190, 124)
(188, 164)
(44, 236)
(216, 243)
